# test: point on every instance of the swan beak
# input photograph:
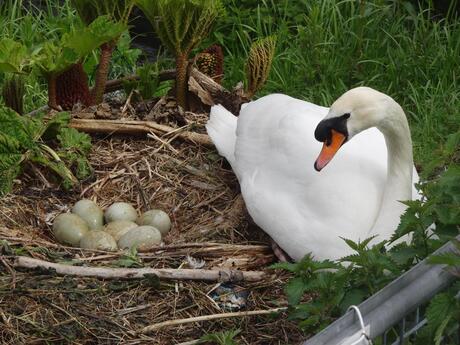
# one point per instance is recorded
(328, 151)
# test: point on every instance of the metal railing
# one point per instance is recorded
(398, 303)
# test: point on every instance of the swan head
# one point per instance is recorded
(355, 111)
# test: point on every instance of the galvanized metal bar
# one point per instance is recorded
(388, 306)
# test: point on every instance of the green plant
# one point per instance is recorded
(258, 64)
(118, 11)
(55, 59)
(221, 338)
(24, 141)
(129, 259)
(14, 63)
(148, 82)
(182, 26)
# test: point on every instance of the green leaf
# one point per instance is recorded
(440, 330)
(13, 56)
(288, 266)
(353, 245)
(352, 297)
(221, 338)
(100, 31)
(450, 259)
(294, 290)
(440, 307)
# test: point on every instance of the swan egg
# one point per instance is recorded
(98, 239)
(118, 228)
(143, 238)
(120, 211)
(89, 212)
(68, 228)
(156, 218)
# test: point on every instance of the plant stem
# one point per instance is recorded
(52, 92)
(102, 72)
(13, 93)
(181, 79)
(72, 87)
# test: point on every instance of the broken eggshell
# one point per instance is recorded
(118, 228)
(143, 238)
(98, 239)
(120, 211)
(90, 213)
(156, 218)
(68, 228)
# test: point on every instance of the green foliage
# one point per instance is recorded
(221, 338)
(325, 47)
(13, 93)
(22, 143)
(89, 10)
(129, 259)
(148, 82)
(181, 24)
(13, 56)
(55, 58)
(443, 316)
(73, 148)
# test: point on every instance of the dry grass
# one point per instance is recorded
(201, 195)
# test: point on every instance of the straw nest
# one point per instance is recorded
(210, 227)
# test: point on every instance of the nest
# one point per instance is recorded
(199, 192)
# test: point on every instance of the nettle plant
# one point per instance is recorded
(319, 292)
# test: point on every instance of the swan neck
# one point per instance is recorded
(398, 187)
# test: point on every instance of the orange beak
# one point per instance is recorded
(328, 151)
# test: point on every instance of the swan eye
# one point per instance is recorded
(323, 131)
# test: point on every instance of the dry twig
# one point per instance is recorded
(157, 326)
(136, 127)
(137, 273)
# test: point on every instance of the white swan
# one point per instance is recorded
(272, 149)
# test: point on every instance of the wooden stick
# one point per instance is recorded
(136, 127)
(136, 273)
(156, 326)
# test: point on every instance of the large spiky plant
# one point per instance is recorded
(89, 10)
(56, 58)
(15, 62)
(258, 64)
(181, 26)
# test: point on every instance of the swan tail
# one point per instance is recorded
(221, 127)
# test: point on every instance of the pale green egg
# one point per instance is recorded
(68, 228)
(156, 218)
(99, 240)
(119, 227)
(143, 238)
(120, 211)
(90, 213)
